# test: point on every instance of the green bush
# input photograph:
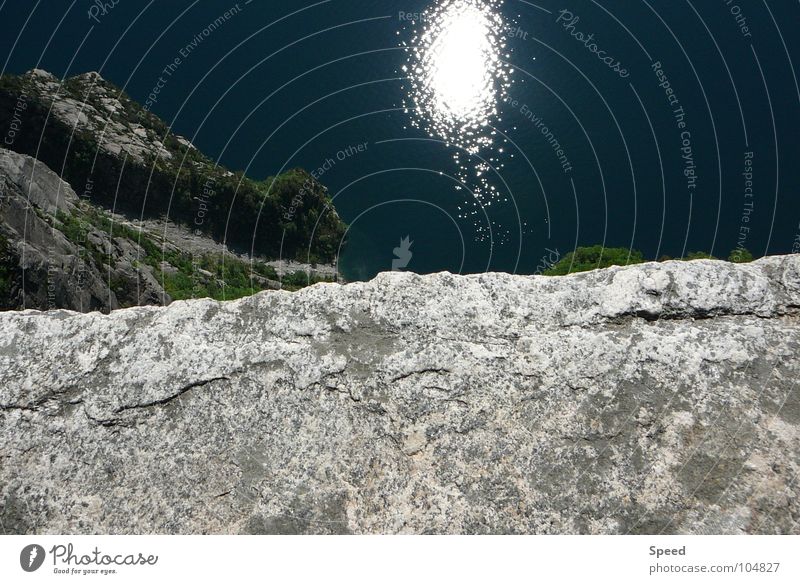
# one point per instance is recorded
(590, 258)
(584, 259)
(700, 255)
(740, 255)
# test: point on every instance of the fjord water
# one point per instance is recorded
(672, 128)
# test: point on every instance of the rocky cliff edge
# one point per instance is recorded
(660, 398)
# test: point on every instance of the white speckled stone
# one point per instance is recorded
(648, 399)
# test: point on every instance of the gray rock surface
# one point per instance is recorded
(41, 187)
(100, 113)
(659, 398)
(52, 270)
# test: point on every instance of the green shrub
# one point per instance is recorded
(740, 255)
(590, 258)
(584, 259)
(700, 255)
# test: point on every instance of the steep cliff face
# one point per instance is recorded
(141, 217)
(44, 268)
(117, 154)
(659, 398)
(58, 251)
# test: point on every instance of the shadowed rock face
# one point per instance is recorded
(118, 155)
(659, 398)
(48, 269)
(52, 270)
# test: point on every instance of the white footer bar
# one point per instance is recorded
(387, 559)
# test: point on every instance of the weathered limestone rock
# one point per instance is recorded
(654, 398)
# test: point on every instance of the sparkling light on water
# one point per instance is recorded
(458, 66)
(456, 73)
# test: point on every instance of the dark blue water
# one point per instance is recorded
(285, 84)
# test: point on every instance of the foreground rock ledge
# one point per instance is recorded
(660, 398)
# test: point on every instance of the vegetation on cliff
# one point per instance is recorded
(118, 155)
(584, 259)
(182, 274)
(109, 180)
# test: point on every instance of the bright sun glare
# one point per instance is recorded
(458, 64)
(455, 68)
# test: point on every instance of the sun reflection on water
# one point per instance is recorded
(456, 73)
(458, 76)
